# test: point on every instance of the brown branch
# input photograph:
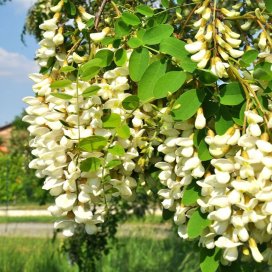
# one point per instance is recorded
(99, 13)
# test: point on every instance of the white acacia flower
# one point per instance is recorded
(199, 56)
(255, 251)
(50, 25)
(66, 201)
(230, 254)
(67, 226)
(58, 39)
(262, 40)
(99, 36)
(58, 7)
(194, 47)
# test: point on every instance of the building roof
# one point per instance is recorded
(5, 127)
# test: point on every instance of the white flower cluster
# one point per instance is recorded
(236, 193)
(213, 33)
(58, 125)
(61, 117)
(265, 47)
(52, 39)
(180, 166)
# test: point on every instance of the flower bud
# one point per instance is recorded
(194, 47)
(199, 56)
(209, 33)
(262, 41)
(228, 13)
(246, 25)
(58, 39)
(233, 42)
(207, 14)
(80, 24)
(99, 36)
(58, 7)
(257, 256)
(202, 64)
(85, 16)
(200, 121)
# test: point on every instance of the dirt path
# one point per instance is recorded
(45, 230)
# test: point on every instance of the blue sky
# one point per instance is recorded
(16, 60)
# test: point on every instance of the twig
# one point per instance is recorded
(99, 13)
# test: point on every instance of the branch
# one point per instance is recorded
(99, 13)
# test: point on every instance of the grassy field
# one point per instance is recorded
(51, 219)
(26, 219)
(128, 255)
(29, 255)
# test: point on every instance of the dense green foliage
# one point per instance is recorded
(18, 183)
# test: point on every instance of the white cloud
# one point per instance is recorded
(15, 65)
(23, 4)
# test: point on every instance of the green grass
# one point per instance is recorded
(128, 255)
(24, 206)
(26, 219)
(152, 219)
(143, 254)
(31, 255)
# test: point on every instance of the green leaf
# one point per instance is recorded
(249, 57)
(206, 76)
(60, 84)
(210, 259)
(191, 194)
(203, 151)
(67, 69)
(130, 19)
(262, 74)
(268, 4)
(231, 94)
(90, 73)
(131, 102)
(199, 135)
(187, 64)
(90, 165)
(62, 96)
(173, 47)
(112, 164)
(120, 57)
(90, 23)
(223, 120)
(238, 116)
(123, 131)
(156, 34)
(176, 48)
(169, 83)
(140, 33)
(70, 9)
(138, 63)
(165, 3)
(106, 57)
(92, 143)
(121, 28)
(145, 10)
(134, 42)
(90, 69)
(112, 120)
(148, 81)
(90, 91)
(187, 104)
(117, 150)
(197, 223)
